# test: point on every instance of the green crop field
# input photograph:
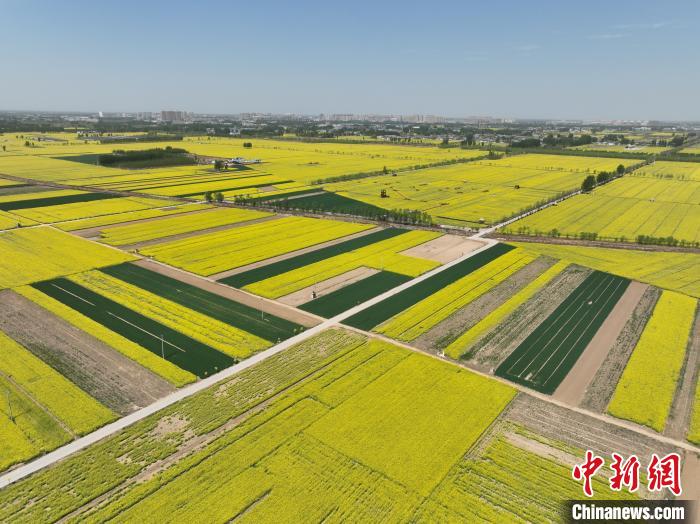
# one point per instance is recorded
(353, 294)
(243, 317)
(550, 351)
(183, 351)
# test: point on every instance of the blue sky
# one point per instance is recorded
(596, 59)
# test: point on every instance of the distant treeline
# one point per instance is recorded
(139, 138)
(147, 157)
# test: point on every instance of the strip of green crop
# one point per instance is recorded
(177, 348)
(393, 305)
(343, 299)
(177, 180)
(277, 268)
(249, 319)
(331, 202)
(545, 357)
(54, 201)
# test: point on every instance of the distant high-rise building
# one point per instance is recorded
(173, 116)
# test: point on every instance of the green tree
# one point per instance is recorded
(219, 196)
(208, 196)
(218, 165)
(620, 169)
(588, 184)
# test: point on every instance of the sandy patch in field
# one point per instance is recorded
(444, 249)
(113, 379)
(266, 189)
(327, 286)
(573, 388)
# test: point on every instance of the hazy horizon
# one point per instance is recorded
(599, 61)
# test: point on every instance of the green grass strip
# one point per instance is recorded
(375, 315)
(243, 317)
(54, 201)
(177, 348)
(283, 266)
(353, 294)
(547, 355)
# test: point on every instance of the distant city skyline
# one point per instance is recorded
(625, 61)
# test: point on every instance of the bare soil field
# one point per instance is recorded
(500, 342)
(268, 306)
(327, 286)
(581, 431)
(444, 249)
(116, 381)
(600, 390)
(573, 388)
(449, 329)
(292, 254)
(682, 407)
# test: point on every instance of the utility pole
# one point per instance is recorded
(9, 405)
(162, 349)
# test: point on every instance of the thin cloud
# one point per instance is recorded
(652, 25)
(606, 36)
(528, 48)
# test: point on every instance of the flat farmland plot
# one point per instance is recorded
(87, 209)
(210, 253)
(173, 346)
(384, 310)
(382, 255)
(335, 425)
(550, 351)
(622, 210)
(41, 253)
(421, 317)
(647, 386)
(674, 271)
(491, 190)
(133, 233)
(245, 318)
(222, 336)
(670, 170)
